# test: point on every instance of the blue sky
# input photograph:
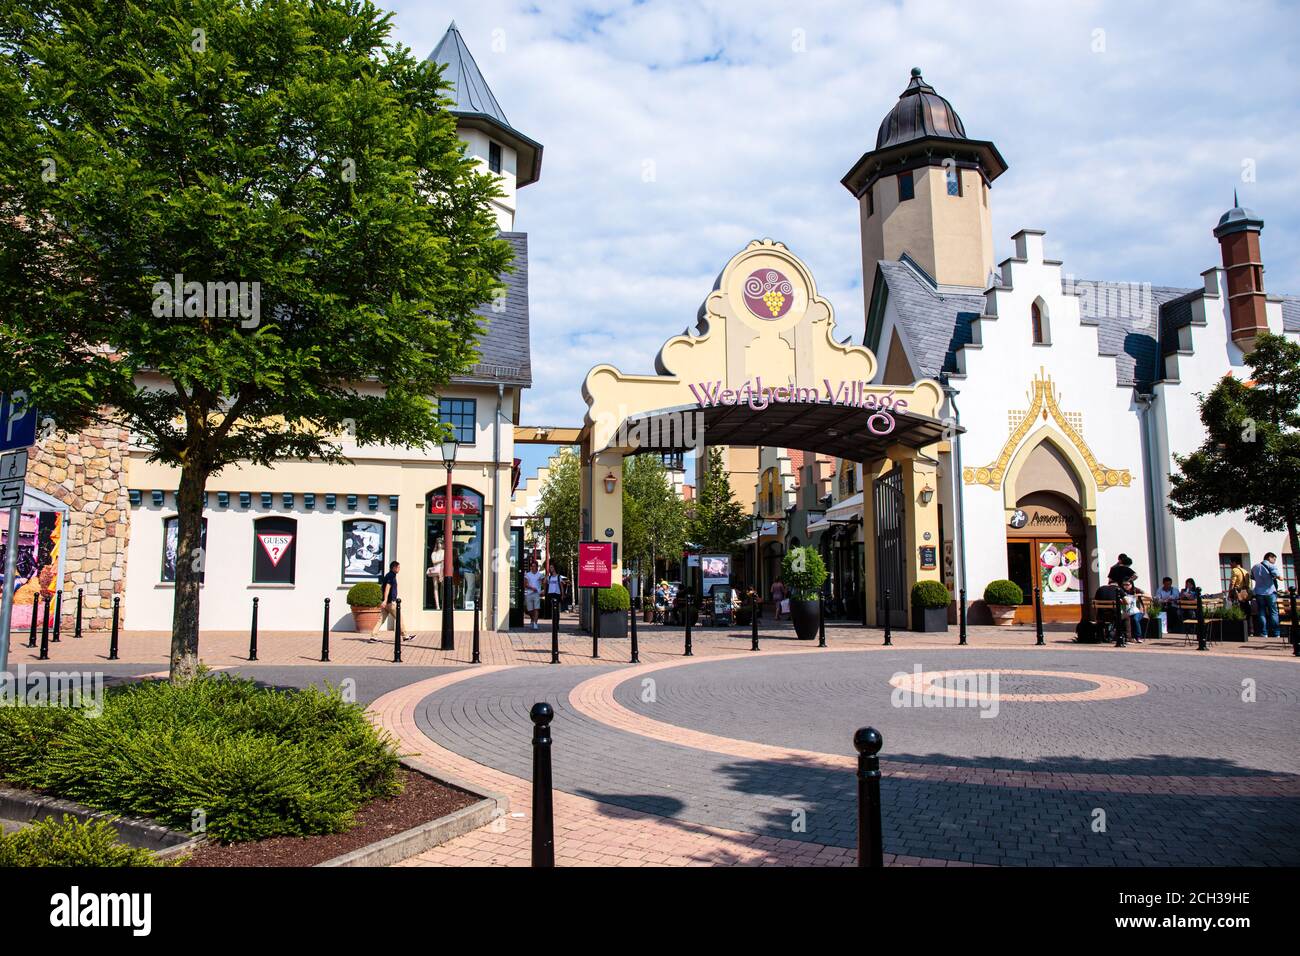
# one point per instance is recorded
(676, 132)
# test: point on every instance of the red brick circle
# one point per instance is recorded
(1108, 688)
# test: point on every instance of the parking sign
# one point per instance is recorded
(17, 422)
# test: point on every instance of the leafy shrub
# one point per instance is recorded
(1003, 592)
(930, 594)
(803, 572)
(613, 598)
(69, 842)
(257, 762)
(1155, 609)
(1233, 613)
(365, 594)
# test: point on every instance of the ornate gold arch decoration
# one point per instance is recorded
(1043, 403)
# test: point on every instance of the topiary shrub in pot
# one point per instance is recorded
(612, 604)
(364, 600)
(930, 600)
(804, 573)
(1156, 621)
(1234, 623)
(1003, 597)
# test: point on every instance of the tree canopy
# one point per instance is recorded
(654, 517)
(718, 522)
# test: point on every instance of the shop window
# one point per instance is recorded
(275, 550)
(1288, 571)
(171, 537)
(906, 187)
(953, 176)
(467, 547)
(461, 414)
(363, 549)
(1225, 569)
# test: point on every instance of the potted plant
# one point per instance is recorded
(1003, 597)
(1156, 621)
(612, 604)
(364, 600)
(930, 600)
(804, 573)
(1234, 623)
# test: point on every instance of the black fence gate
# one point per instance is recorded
(891, 570)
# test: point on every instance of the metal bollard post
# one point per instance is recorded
(397, 634)
(1295, 631)
(1200, 623)
(325, 635)
(888, 641)
(44, 655)
(474, 659)
(1121, 639)
(112, 639)
(636, 606)
(58, 617)
(821, 620)
(1038, 617)
(961, 619)
(753, 622)
(595, 625)
(31, 637)
(252, 634)
(555, 632)
(871, 852)
(688, 626)
(543, 812)
(76, 630)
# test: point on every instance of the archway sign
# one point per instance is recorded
(763, 367)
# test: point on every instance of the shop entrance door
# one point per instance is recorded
(891, 570)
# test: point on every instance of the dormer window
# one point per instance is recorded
(494, 157)
(906, 187)
(953, 175)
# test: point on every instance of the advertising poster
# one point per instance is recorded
(363, 550)
(595, 564)
(40, 535)
(715, 569)
(1058, 567)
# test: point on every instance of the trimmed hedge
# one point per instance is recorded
(257, 762)
(1003, 592)
(365, 594)
(613, 598)
(930, 594)
(69, 842)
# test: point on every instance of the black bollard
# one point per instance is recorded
(961, 619)
(1121, 639)
(555, 632)
(543, 812)
(1295, 631)
(76, 630)
(475, 658)
(112, 639)
(595, 625)
(753, 622)
(888, 640)
(821, 620)
(44, 655)
(397, 634)
(688, 626)
(1200, 623)
(325, 635)
(36, 606)
(864, 604)
(252, 634)
(1038, 617)
(636, 653)
(871, 851)
(58, 617)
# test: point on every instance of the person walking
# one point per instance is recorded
(533, 592)
(554, 588)
(1239, 591)
(778, 597)
(388, 601)
(1266, 576)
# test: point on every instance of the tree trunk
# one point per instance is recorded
(190, 561)
(1295, 544)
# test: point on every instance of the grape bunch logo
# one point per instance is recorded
(768, 294)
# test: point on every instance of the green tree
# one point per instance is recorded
(1250, 459)
(288, 144)
(654, 517)
(718, 522)
(560, 501)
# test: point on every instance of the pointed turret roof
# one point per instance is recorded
(475, 106)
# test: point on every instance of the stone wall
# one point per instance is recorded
(87, 471)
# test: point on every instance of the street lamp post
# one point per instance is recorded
(758, 568)
(448, 618)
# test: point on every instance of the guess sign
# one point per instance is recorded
(460, 504)
(275, 546)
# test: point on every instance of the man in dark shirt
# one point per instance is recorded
(388, 600)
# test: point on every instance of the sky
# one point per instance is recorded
(676, 132)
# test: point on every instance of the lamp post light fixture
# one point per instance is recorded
(546, 523)
(758, 567)
(448, 617)
(611, 481)
(927, 494)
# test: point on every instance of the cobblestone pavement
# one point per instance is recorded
(1180, 771)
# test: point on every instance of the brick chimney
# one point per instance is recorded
(1238, 234)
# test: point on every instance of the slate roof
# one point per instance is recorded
(935, 323)
(469, 91)
(504, 354)
(1130, 325)
(1290, 313)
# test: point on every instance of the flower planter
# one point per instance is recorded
(1004, 615)
(805, 617)
(930, 619)
(1233, 630)
(613, 623)
(648, 615)
(364, 619)
(1155, 628)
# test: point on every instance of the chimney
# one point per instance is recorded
(1238, 234)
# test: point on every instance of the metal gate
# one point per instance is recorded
(891, 570)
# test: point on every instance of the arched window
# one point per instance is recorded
(275, 550)
(467, 547)
(1038, 319)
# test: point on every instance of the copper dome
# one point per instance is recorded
(919, 113)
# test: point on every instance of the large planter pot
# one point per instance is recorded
(648, 613)
(613, 623)
(1004, 615)
(1155, 628)
(929, 618)
(364, 619)
(1234, 630)
(805, 617)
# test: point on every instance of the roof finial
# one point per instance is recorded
(916, 71)
(1235, 204)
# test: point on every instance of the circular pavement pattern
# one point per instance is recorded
(1194, 761)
